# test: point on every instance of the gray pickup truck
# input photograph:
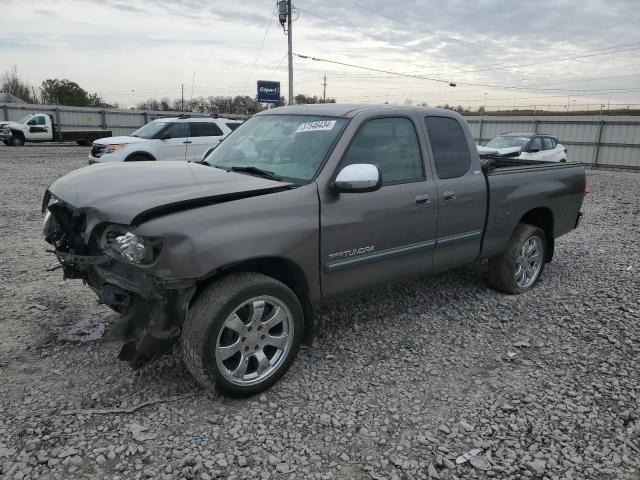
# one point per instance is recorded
(298, 206)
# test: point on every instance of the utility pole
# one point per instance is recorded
(485, 102)
(324, 90)
(133, 97)
(182, 108)
(290, 41)
(284, 17)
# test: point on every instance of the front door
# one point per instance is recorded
(462, 191)
(39, 129)
(174, 147)
(203, 134)
(375, 237)
(537, 154)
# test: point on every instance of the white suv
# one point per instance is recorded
(182, 138)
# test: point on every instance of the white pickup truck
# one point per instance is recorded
(41, 127)
(181, 138)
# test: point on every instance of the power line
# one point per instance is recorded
(451, 83)
(495, 66)
(266, 32)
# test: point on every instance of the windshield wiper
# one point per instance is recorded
(256, 171)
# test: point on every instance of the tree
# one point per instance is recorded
(11, 83)
(301, 99)
(66, 92)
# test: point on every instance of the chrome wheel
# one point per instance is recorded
(254, 340)
(529, 262)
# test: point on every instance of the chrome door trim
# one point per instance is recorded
(448, 240)
(337, 265)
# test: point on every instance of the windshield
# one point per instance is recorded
(292, 147)
(150, 130)
(504, 141)
(26, 119)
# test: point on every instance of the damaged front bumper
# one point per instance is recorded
(152, 309)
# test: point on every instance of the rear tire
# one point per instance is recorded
(520, 266)
(242, 333)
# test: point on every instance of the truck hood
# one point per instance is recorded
(498, 151)
(133, 193)
(11, 125)
(122, 139)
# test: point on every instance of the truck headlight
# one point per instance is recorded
(46, 222)
(114, 146)
(130, 247)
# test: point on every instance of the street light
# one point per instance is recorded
(485, 101)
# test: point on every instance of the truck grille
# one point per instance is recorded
(97, 150)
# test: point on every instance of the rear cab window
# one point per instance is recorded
(449, 146)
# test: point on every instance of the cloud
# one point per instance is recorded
(113, 46)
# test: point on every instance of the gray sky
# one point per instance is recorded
(112, 47)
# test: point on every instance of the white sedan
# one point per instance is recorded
(526, 146)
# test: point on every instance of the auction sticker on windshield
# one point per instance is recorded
(315, 126)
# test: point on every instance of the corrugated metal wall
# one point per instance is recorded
(119, 121)
(608, 141)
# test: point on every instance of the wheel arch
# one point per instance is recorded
(140, 153)
(283, 270)
(542, 217)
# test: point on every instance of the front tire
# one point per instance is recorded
(17, 141)
(242, 333)
(519, 268)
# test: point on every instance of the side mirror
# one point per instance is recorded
(358, 177)
(533, 150)
(165, 136)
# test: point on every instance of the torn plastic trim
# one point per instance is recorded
(192, 203)
(150, 327)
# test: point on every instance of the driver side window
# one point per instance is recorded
(537, 143)
(391, 144)
(177, 130)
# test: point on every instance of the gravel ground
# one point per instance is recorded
(401, 382)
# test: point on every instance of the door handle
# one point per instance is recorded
(423, 199)
(449, 196)
(187, 141)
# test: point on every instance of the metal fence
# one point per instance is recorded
(119, 121)
(607, 141)
(602, 141)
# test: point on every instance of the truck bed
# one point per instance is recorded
(549, 190)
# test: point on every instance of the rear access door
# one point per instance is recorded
(462, 192)
(370, 238)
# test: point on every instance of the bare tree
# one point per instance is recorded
(12, 83)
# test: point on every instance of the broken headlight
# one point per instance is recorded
(130, 247)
